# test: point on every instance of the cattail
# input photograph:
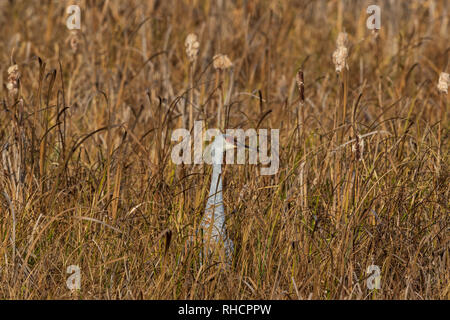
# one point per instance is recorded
(13, 80)
(340, 58)
(74, 40)
(444, 80)
(301, 120)
(301, 85)
(221, 62)
(301, 107)
(342, 39)
(191, 43)
(341, 53)
(358, 148)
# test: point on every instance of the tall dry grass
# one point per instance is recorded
(86, 177)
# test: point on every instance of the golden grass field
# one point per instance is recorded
(86, 176)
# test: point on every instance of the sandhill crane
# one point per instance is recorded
(213, 221)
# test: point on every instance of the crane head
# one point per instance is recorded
(214, 151)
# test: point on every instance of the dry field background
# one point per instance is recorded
(86, 176)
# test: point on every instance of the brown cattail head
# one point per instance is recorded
(301, 85)
(13, 80)
(221, 62)
(358, 147)
(341, 53)
(444, 80)
(74, 40)
(192, 45)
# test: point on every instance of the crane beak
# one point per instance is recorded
(231, 143)
(243, 145)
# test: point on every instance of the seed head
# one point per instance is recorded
(13, 80)
(444, 80)
(341, 53)
(301, 85)
(358, 148)
(221, 62)
(340, 58)
(191, 43)
(342, 39)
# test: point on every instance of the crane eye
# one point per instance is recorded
(229, 139)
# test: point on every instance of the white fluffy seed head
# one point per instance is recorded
(192, 45)
(14, 69)
(13, 80)
(340, 58)
(444, 80)
(341, 53)
(221, 62)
